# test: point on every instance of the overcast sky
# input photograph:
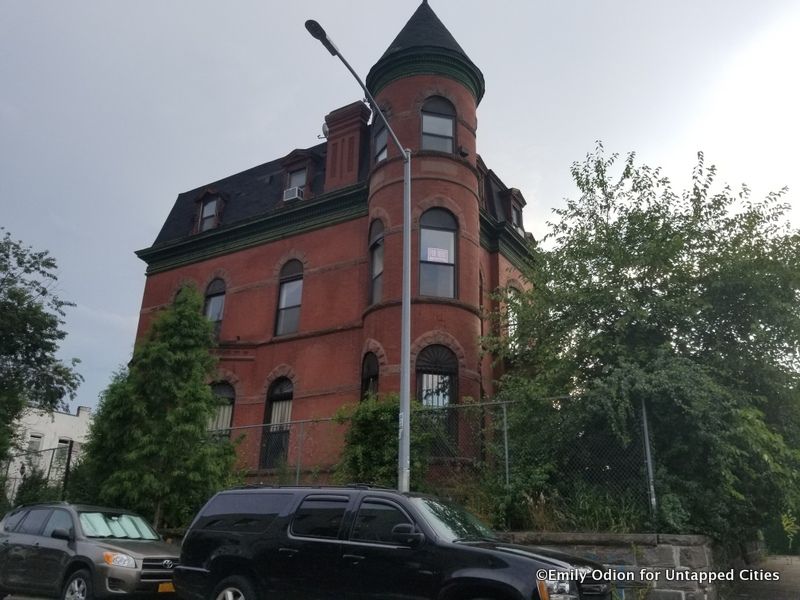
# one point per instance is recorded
(108, 110)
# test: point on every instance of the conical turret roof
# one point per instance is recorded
(425, 46)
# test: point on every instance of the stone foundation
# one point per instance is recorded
(648, 562)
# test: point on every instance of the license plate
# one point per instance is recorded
(166, 587)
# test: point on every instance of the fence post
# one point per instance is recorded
(66, 470)
(505, 440)
(299, 453)
(649, 461)
(50, 464)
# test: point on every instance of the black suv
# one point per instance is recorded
(360, 542)
(82, 552)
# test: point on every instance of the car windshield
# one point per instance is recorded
(451, 522)
(116, 525)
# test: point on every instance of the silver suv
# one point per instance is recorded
(80, 552)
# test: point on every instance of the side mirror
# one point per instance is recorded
(406, 534)
(62, 534)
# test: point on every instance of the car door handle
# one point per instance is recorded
(289, 551)
(354, 557)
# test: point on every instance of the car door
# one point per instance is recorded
(21, 569)
(53, 554)
(376, 565)
(309, 555)
(10, 523)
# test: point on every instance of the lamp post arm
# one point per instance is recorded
(374, 106)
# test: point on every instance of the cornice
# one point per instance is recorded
(501, 237)
(429, 60)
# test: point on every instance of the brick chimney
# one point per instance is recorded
(347, 130)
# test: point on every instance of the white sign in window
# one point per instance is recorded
(438, 255)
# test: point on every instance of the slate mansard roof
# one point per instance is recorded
(252, 193)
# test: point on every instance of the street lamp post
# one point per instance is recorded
(404, 421)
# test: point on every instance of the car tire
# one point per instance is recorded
(235, 587)
(78, 586)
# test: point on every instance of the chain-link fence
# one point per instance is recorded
(296, 452)
(517, 464)
(48, 468)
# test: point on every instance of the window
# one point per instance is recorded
(35, 442)
(319, 516)
(380, 144)
(516, 215)
(60, 519)
(117, 525)
(209, 214)
(289, 297)
(369, 375)
(437, 258)
(215, 303)
(297, 178)
(376, 261)
(242, 512)
(278, 414)
(32, 524)
(438, 125)
(512, 309)
(437, 369)
(437, 376)
(13, 520)
(375, 521)
(221, 422)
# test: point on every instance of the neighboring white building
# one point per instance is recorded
(45, 440)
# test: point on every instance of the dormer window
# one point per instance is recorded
(516, 215)
(438, 125)
(209, 213)
(297, 179)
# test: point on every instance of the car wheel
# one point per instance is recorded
(78, 586)
(235, 587)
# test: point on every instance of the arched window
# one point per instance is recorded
(437, 268)
(220, 422)
(438, 125)
(215, 303)
(369, 375)
(209, 213)
(437, 375)
(289, 298)
(512, 312)
(277, 415)
(376, 261)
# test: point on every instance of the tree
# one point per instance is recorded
(370, 444)
(687, 305)
(149, 448)
(31, 321)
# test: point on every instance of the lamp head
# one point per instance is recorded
(316, 31)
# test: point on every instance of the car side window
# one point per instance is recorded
(60, 519)
(13, 520)
(244, 512)
(320, 516)
(375, 520)
(32, 524)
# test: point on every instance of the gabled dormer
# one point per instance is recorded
(513, 202)
(209, 206)
(299, 169)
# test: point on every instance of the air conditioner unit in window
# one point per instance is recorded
(293, 193)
